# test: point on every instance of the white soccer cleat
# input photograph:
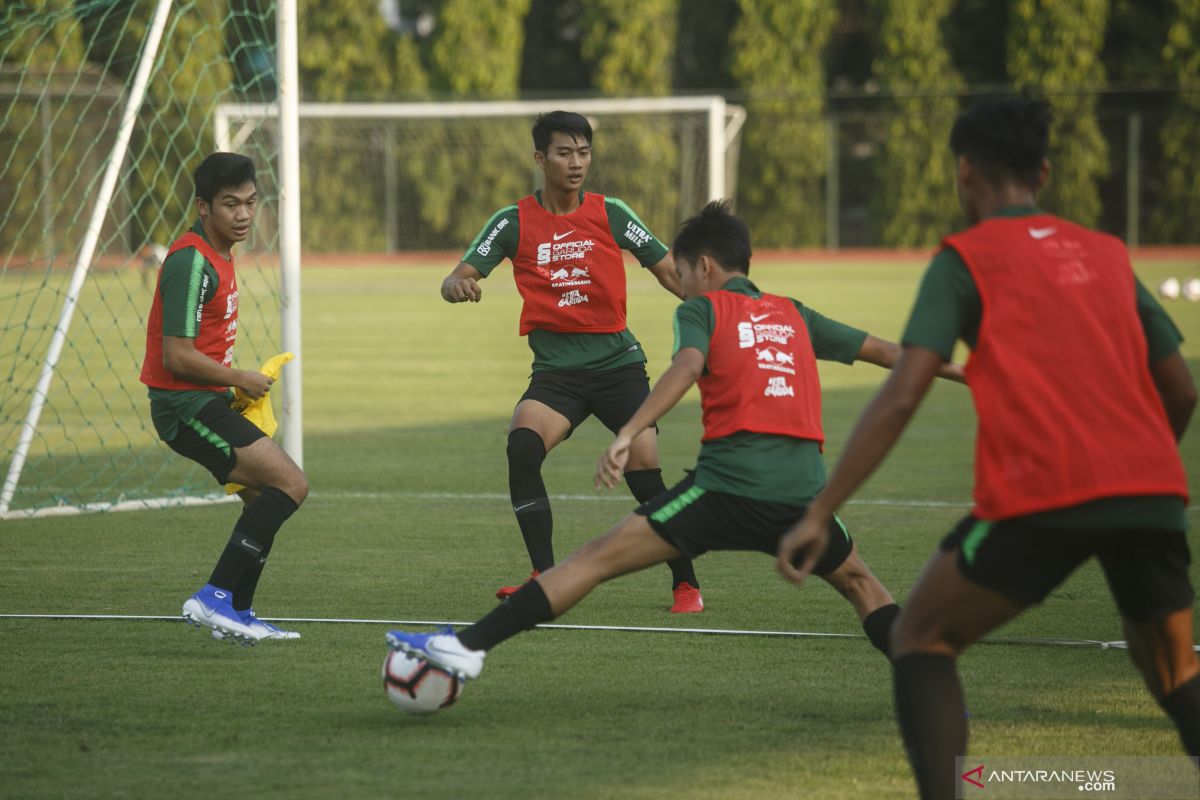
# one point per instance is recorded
(442, 649)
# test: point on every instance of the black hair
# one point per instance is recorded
(1004, 137)
(221, 171)
(546, 125)
(715, 232)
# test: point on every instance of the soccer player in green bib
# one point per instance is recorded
(1081, 394)
(754, 356)
(565, 247)
(189, 370)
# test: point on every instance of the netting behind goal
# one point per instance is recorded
(393, 176)
(68, 74)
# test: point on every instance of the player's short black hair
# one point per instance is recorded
(717, 233)
(546, 125)
(222, 170)
(1005, 137)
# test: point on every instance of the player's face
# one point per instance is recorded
(565, 162)
(231, 213)
(691, 278)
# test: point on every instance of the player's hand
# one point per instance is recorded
(611, 466)
(806, 541)
(462, 291)
(254, 384)
(953, 372)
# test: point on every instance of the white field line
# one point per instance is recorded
(1119, 645)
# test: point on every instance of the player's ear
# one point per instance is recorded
(202, 207)
(1043, 175)
(539, 158)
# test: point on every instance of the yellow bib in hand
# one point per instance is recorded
(259, 411)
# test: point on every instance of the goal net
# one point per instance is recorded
(385, 177)
(105, 110)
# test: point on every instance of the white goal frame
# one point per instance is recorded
(285, 111)
(724, 121)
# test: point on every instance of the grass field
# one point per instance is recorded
(406, 406)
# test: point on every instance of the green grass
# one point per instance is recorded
(406, 398)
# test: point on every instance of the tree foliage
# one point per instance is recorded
(1055, 47)
(629, 46)
(777, 61)
(1180, 135)
(915, 204)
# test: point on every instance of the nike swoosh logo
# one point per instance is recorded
(558, 236)
(527, 505)
(1041, 233)
(759, 317)
(251, 546)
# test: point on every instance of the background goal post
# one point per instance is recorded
(105, 110)
(426, 176)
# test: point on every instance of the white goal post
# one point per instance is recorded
(83, 441)
(665, 155)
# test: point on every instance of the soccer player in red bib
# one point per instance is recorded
(188, 368)
(565, 246)
(754, 357)
(1081, 394)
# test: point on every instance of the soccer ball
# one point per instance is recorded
(1169, 288)
(1191, 289)
(417, 687)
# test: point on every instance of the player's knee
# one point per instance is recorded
(526, 451)
(911, 635)
(294, 485)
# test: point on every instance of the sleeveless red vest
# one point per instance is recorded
(218, 322)
(569, 270)
(1067, 409)
(761, 371)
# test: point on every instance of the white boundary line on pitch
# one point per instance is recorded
(598, 497)
(1118, 645)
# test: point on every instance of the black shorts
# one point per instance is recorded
(611, 396)
(695, 520)
(1146, 570)
(209, 438)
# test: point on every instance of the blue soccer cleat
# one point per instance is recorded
(210, 607)
(442, 649)
(265, 629)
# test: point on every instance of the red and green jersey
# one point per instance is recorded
(557, 349)
(764, 466)
(569, 269)
(761, 373)
(195, 297)
(949, 307)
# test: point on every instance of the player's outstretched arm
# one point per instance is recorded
(885, 354)
(664, 271)
(876, 431)
(684, 371)
(182, 358)
(462, 285)
(1175, 387)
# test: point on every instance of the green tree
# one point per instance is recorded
(915, 203)
(1179, 208)
(41, 44)
(1055, 47)
(463, 171)
(191, 75)
(630, 47)
(777, 61)
(348, 54)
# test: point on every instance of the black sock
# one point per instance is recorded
(523, 611)
(932, 717)
(526, 452)
(878, 627)
(647, 484)
(1183, 707)
(251, 540)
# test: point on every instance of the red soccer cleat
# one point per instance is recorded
(505, 592)
(687, 599)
